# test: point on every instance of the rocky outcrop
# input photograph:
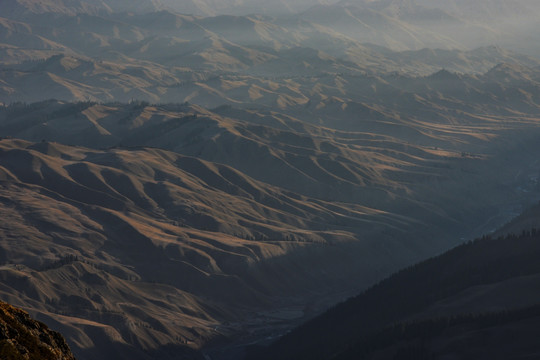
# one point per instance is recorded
(22, 337)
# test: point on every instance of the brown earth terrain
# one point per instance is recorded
(209, 177)
(22, 337)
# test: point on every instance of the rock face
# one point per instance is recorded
(22, 337)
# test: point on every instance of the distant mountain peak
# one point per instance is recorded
(444, 74)
(506, 72)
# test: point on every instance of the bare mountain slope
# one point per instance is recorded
(132, 252)
(106, 244)
(375, 165)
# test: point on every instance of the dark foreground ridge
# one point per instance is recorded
(22, 337)
(479, 300)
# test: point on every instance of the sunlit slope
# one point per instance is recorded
(106, 244)
(370, 169)
(132, 250)
(286, 80)
(273, 148)
(24, 337)
(386, 160)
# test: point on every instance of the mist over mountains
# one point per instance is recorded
(182, 179)
(397, 24)
(81, 53)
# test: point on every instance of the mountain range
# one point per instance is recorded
(399, 24)
(141, 232)
(182, 179)
(106, 245)
(252, 60)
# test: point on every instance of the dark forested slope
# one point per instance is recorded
(489, 284)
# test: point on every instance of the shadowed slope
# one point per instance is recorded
(468, 302)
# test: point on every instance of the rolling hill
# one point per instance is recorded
(107, 245)
(374, 165)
